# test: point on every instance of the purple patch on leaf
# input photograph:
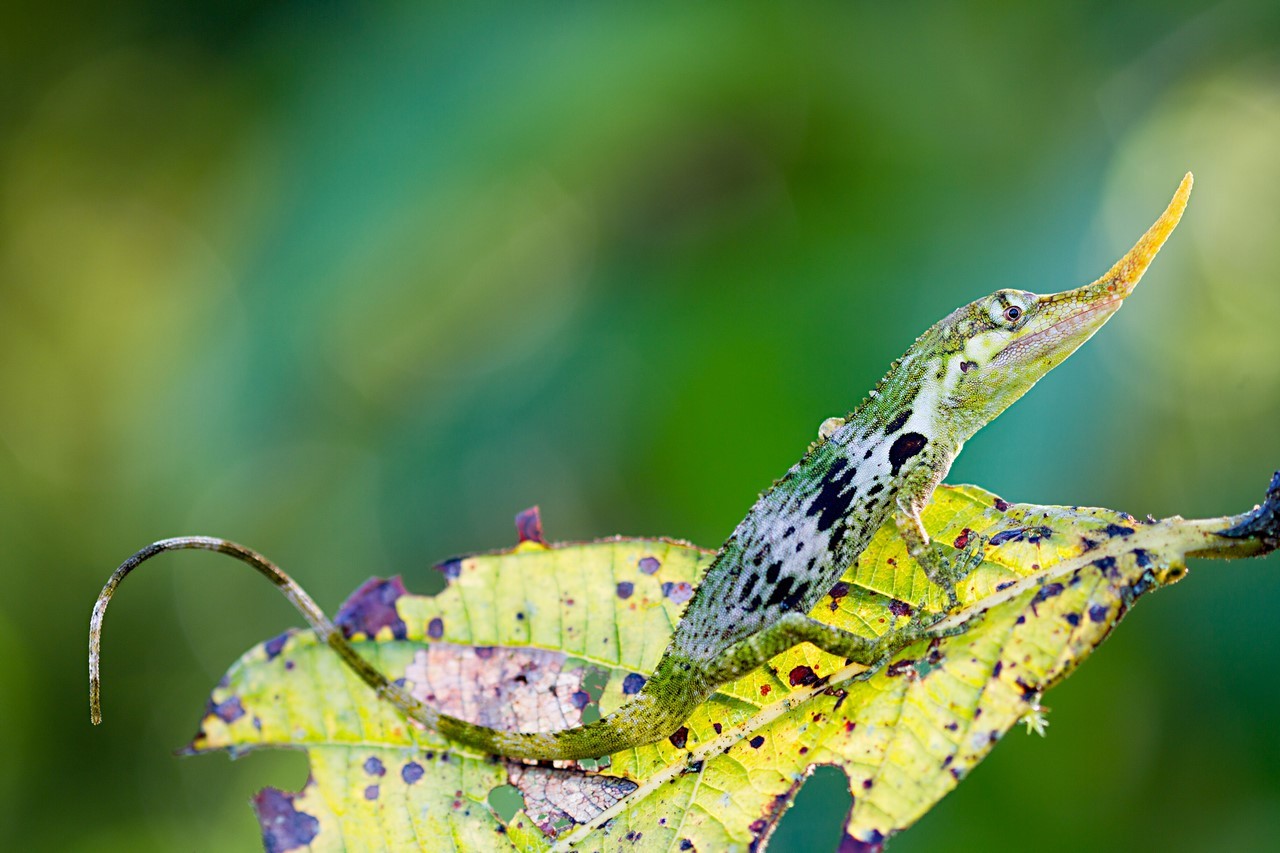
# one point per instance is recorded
(632, 683)
(873, 843)
(374, 767)
(228, 710)
(580, 699)
(1007, 536)
(450, 568)
(529, 526)
(679, 737)
(283, 827)
(275, 645)
(1047, 592)
(757, 741)
(371, 792)
(435, 628)
(679, 593)
(900, 608)
(649, 565)
(412, 772)
(625, 589)
(1099, 612)
(373, 607)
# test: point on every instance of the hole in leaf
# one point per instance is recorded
(815, 821)
(506, 800)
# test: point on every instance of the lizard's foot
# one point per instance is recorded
(949, 571)
(920, 627)
(973, 556)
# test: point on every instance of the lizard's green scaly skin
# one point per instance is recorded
(882, 461)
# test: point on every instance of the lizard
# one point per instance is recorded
(882, 462)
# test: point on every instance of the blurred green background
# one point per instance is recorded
(354, 284)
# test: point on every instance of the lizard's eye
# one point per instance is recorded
(1013, 313)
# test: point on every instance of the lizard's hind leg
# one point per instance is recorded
(796, 628)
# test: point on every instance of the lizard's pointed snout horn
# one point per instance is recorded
(1124, 275)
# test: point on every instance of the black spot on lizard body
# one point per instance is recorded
(834, 495)
(904, 447)
(899, 421)
(780, 592)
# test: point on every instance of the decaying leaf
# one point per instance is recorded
(543, 637)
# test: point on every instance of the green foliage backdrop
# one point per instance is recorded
(353, 286)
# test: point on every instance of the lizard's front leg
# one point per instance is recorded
(938, 567)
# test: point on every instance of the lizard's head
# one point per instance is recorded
(999, 346)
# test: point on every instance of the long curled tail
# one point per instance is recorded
(655, 712)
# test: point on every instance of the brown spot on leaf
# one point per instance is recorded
(900, 667)
(802, 675)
